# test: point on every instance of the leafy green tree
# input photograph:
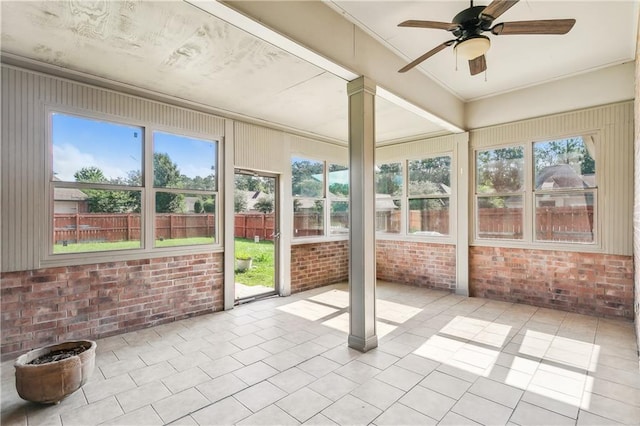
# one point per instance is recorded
(303, 182)
(209, 205)
(198, 206)
(106, 201)
(167, 175)
(239, 202)
(500, 170)
(264, 204)
(91, 174)
(389, 179)
(339, 189)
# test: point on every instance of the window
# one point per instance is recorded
(184, 181)
(307, 179)
(562, 191)
(96, 185)
(429, 191)
(565, 190)
(499, 193)
(339, 199)
(99, 187)
(388, 198)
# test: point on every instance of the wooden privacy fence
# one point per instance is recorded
(110, 227)
(552, 224)
(250, 225)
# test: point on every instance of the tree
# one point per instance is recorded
(303, 182)
(166, 175)
(106, 201)
(264, 204)
(500, 170)
(91, 174)
(239, 202)
(389, 179)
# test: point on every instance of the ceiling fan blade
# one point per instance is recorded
(426, 55)
(497, 8)
(550, 26)
(477, 65)
(429, 24)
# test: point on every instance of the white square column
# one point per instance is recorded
(362, 227)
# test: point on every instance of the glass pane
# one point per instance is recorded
(184, 219)
(339, 217)
(500, 217)
(95, 220)
(308, 217)
(338, 181)
(429, 216)
(86, 150)
(430, 176)
(183, 162)
(565, 217)
(565, 163)
(389, 179)
(387, 214)
(307, 178)
(500, 170)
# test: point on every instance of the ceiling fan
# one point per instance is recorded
(468, 26)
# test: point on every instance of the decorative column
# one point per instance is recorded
(362, 229)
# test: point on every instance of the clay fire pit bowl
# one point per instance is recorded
(51, 382)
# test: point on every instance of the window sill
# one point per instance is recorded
(551, 246)
(72, 259)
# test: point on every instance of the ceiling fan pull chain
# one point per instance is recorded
(456, 53)
(485, 75)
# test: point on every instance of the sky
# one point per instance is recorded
(117, 149)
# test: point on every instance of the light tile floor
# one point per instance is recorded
(442, 359)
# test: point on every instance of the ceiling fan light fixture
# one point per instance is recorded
(473, 47)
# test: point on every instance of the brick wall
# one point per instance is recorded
(318, 264)
(417, 263)
(587, 283)
(45, 306)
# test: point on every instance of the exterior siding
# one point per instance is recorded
(417, 263)
(44, 306)
(586, 283)
(318, 264)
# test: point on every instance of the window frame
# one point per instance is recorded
(409, 197)
(324, 199)
(529, 193)
(404, 234)
(147, 203)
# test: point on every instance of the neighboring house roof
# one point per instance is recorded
(560, 176)
(69, 194)
(252, 198)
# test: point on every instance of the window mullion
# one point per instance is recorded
(148, 208)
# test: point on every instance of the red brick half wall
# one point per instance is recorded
(417, 263)
(45, 306)
(586, 283)
(318, 264)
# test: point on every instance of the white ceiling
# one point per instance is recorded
(604, 35)
(173, 48)
(176, 49)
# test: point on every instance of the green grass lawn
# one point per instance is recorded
(124, 245)
(262, 269)
(262, 253)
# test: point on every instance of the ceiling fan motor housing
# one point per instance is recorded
(471, 22)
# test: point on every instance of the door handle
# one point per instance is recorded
(275, 235)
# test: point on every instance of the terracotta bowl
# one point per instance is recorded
(50, 383)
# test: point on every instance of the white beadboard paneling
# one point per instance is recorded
(260, 148)
(415, 149)
(307, 147)
(24, 148)
(612, 126)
